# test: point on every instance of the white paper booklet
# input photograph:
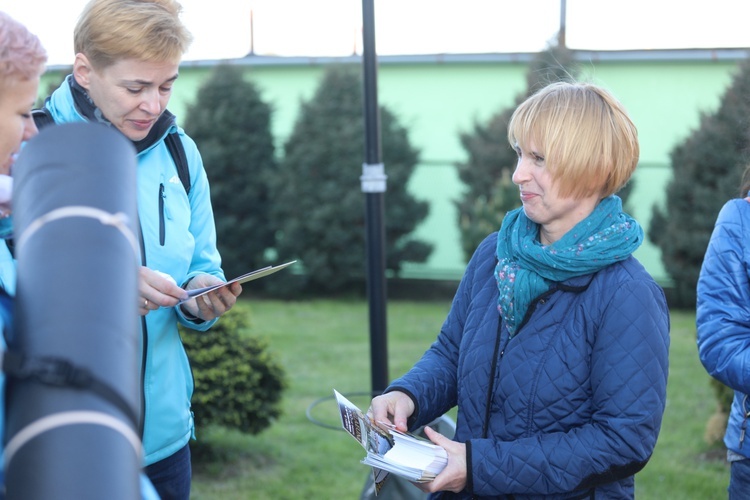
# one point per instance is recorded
(389, 450)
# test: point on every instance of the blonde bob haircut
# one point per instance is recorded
(109, 31)
(588, 142)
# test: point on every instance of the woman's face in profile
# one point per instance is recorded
(542, 202)
(17, 98)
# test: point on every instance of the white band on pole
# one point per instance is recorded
(118, 221)
(373, 178)
(56, 420)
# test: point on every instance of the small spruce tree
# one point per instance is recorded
(238, 381)
(231, 125)
(707, 169)
(319, 208)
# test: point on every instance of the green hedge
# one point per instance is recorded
(238, 381)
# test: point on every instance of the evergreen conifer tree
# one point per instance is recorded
(319, 208)
(231, 125)
(707, 169)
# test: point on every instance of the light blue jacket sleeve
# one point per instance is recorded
(148, 492)
(206, 258)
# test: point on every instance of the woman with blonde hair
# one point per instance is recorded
(555, 349)
(126, 64)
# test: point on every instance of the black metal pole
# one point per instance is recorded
(373, 185)
(561, 36)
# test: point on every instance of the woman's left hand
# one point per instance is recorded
(453, 477)
(214, 303)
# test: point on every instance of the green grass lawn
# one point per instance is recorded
(324, 344)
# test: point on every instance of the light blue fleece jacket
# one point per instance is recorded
(178, 238)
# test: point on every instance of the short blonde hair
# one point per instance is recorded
(588, 141)
(146, 30)
(22, 56)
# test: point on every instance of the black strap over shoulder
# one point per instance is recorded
(177, 150)
(60, 372)
(42, 118)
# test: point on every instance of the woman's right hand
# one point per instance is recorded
(394, 407)
(157, 290)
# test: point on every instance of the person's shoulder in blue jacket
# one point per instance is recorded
(723, 324)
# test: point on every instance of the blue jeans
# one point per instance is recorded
(171, 476)
(739, 480)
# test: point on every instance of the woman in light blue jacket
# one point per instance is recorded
(723, 324)
(22, 61)
(127, 59)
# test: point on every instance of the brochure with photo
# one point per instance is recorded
(389, 450)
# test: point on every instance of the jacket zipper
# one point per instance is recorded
(162, 228)
(499, 353)
(144, 357)
(491, 389)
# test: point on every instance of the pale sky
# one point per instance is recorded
(333, 27)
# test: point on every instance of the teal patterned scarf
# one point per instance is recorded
(526, 268)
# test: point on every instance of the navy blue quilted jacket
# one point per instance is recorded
(723, 314)
(570, 406)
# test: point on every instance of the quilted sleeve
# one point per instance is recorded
(432, 381)
(723, 300)
(628, 377)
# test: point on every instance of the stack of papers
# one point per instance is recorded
(389, 450)
(411, 457)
